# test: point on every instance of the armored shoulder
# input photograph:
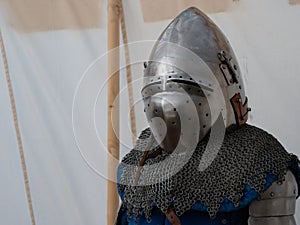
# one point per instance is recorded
(276, 206)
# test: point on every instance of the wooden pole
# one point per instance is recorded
(113, 91)
(128, 75)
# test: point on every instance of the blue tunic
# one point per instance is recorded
(247, 141)
(228, 213)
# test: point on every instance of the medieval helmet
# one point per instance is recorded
(192, 78)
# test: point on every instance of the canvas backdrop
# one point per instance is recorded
(56, 57)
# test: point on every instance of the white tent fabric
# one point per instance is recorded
(56, 71)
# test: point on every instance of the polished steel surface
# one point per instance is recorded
(277, 204)
(284, 220)
(194, 52)
(178, 108)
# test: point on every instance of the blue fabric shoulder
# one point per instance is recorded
(249, 195)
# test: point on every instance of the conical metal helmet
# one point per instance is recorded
(192, 79)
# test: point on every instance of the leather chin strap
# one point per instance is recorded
(142, 162)
(172, 217)
(240, 109)
(170, 214)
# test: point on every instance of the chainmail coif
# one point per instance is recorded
(246, 157)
